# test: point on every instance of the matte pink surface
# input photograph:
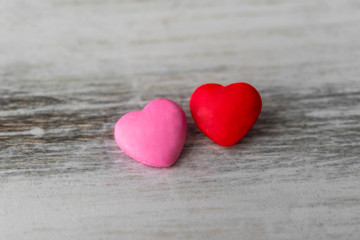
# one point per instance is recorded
(154, 136)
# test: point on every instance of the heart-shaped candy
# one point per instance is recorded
(154, 136)
(225, 114)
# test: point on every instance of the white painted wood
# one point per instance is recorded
(70, 68)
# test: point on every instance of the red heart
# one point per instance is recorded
(225, 114)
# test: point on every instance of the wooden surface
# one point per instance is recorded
(70, 68)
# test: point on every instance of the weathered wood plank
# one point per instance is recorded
(70, 69)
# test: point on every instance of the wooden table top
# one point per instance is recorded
(70, 68)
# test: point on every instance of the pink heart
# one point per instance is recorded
(154, 136)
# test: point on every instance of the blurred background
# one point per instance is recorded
(259, 40)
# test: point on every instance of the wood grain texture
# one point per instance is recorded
(69, 69)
